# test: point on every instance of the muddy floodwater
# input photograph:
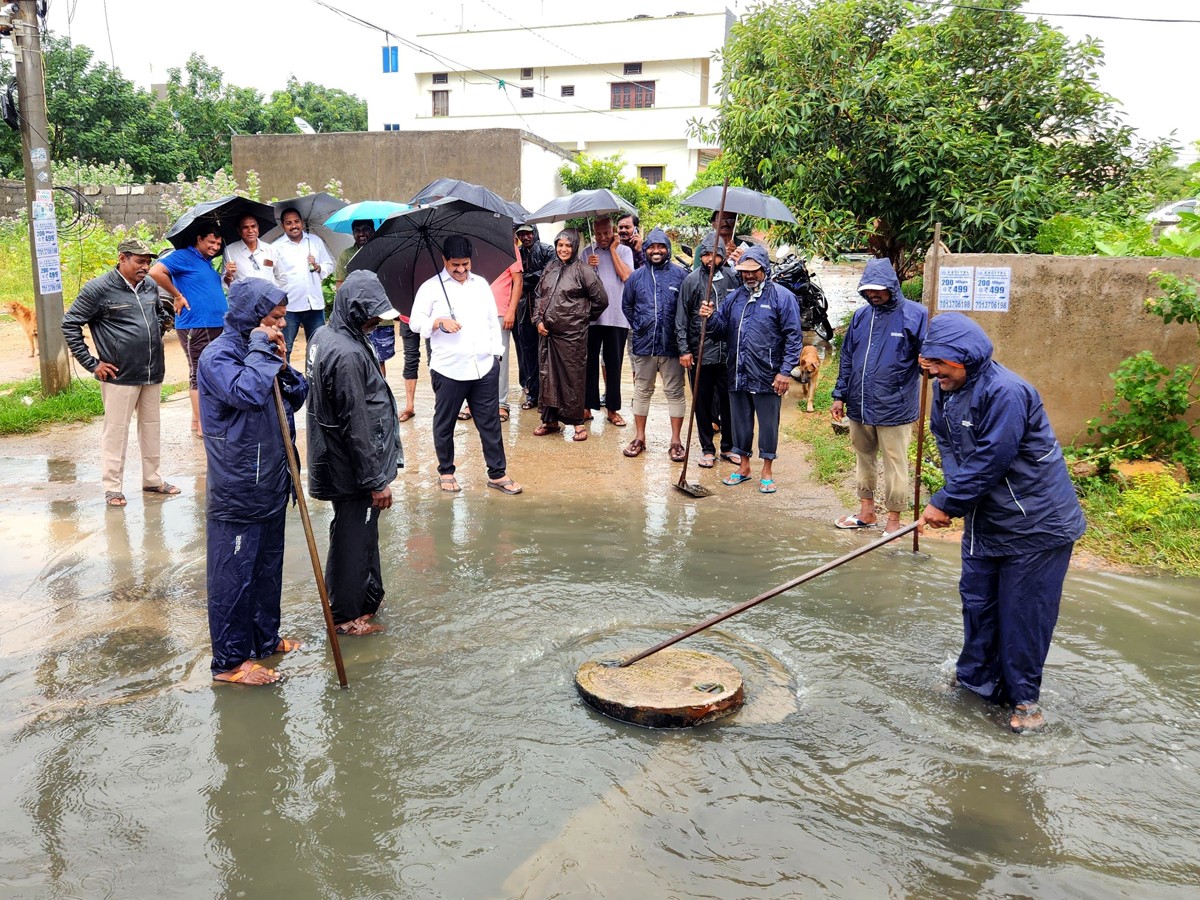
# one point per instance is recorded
(460, 762)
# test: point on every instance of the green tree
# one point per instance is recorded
(325, 109)
(880, 117)
(657, 205)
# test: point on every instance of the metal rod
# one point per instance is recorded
(774, 592)
(687, 452)
(928, 290)
(294, 468)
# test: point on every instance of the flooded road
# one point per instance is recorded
(460, 762)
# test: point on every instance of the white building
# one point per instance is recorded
(628, 87)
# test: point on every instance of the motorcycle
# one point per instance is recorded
(792, 273)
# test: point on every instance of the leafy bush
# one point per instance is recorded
(914, 288)
(75, 171)
(184, 194)
(1151, 499)
(657, 205)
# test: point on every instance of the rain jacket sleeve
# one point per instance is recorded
(789, 327)
(998, 430)
(251, 385)
(718, 322)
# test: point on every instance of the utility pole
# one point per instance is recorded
(39, 199)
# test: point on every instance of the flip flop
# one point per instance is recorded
(735, 478)
(114, 499)
(615, 418)
(850, 522)
(240, 675)
(449, 484)
(506, 486)
(359, 628)
(579, 435)
(406, 415)
(504, 414)
(528, 404)
(287, 646)
(635, 448)
(707, 461)
(464, 416)
(676, 452)
(163, 488)
(766, 485)
(545, 429)
(731, 458)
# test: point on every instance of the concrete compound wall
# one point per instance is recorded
(392, 165)
(116, 204)
(1071, 321)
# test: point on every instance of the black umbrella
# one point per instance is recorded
(742, 201)
(406, 251)
(225, 213)
(472, 193)
(581, 204)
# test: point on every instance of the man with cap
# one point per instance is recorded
(535, 256)
(383, 338)
(711, 389)
(455, 311)
(878, 390)
(1005, 475)
(649, 300)
(249, 484)
(354, 447)
(127, 323)
(760, 322)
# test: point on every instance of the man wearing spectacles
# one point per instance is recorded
(249, 257)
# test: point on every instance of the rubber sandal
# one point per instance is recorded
(850, 522)
(707, 461)
(1027, 718)
(464, 416)
(766, 485)
(506, 486)
(545, 429)
(114, 499)
(240, 675)
(675, 451)
(731, 458)
(615, 419)
(287, 646)
(406, 415)
(635, 448)
(580, 435)
(359, 628)
(164, 488)
(528, 404)
(504, 414)
(449, 484)
(735, 478)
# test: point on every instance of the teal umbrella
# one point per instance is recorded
(375, 210)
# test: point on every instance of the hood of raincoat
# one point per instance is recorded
(759, 255)
(658, 236)
(571, 236)
(957, 339)
(360, 298)
(710, 244)
(250, 300)
(880, 271)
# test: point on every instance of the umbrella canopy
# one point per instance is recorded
(225, 213)
(742, 201)
(314, 209)
(598, 202)
(472, 193)
(376, 210)
(406, 251)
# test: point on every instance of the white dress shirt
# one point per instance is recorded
(251, 265)
(291, 270)
(469, 353)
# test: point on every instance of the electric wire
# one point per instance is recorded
(1058, 15)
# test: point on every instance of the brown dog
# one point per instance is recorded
(25, 316)
(807, 374)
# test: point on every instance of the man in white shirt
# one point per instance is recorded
(456, 312)
(302, 262)
(248, 258)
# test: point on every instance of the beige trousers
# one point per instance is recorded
(121, 401)
(892, 441)
(645, 374)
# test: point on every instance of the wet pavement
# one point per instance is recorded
(460, 762)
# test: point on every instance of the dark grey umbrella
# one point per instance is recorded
(225, 213)
(472, 193)
(406, 251)
(742, 201)
(314, 209)
(582, 204)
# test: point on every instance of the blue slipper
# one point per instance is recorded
(767, 486)
(735, 478)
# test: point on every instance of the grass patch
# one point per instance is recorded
(24, 409)
(831, 455)
(1170, 539)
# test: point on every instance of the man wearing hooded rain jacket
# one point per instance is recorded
(1005, 475)
(248, 479)
(760, 323)
(649, 300)
(878, 389)
(353, 447)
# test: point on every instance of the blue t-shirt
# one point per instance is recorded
(198, 281)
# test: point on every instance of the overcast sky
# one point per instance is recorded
(260, 42)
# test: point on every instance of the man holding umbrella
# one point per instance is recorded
(302, 263)
(189, 279)
(456, 312)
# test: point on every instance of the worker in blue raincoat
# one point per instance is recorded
(248, 479)
(760, 324)
(878, 391)
(1006, 477)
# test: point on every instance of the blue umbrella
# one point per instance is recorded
(375, 210)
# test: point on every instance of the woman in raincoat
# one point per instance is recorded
(570, 295)
(248, 479)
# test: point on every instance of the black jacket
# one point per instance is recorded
(687, 312)
(533, 263)
(127, 328)
(353, 433)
